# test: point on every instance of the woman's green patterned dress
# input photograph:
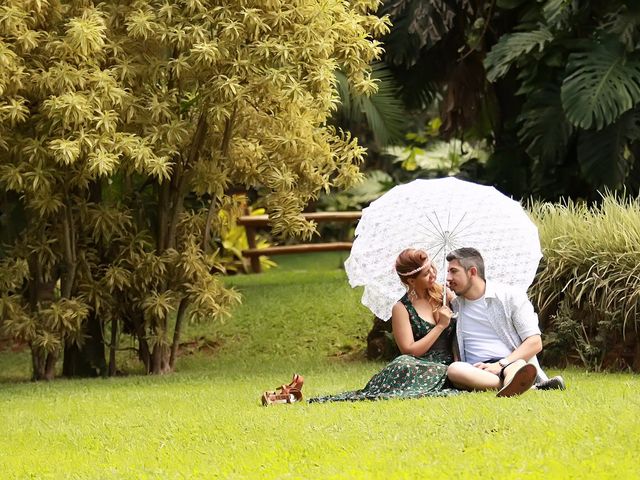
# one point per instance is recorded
(408, 376)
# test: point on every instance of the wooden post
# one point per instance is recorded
(251, 240)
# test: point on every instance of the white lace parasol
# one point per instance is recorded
(439, 216)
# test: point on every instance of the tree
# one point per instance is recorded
(555, 86)
(578, 69)
(126, 127)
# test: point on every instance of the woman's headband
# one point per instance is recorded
(414, 271)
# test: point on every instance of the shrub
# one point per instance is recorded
(588, 284)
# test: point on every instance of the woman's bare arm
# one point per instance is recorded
(404, 335)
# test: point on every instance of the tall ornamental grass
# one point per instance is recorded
(588, 285)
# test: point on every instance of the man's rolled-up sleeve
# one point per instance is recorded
(525, 319)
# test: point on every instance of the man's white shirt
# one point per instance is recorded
(510, 315)
(481, 343)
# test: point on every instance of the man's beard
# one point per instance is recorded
(461, 291)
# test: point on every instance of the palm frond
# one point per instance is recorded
(511, 47)
(419, 85)
(383, 111)
(601, 84)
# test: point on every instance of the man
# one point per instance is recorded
(497, 332)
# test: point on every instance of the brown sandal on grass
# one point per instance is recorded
(288, 393)
(292, 396)
(296, 383)
(521, 381)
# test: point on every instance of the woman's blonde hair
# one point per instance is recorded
(409, 263)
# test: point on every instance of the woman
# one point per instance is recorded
(423, 331)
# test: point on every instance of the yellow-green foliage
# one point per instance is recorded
(125, 125)
(589, 284)
(234, 241)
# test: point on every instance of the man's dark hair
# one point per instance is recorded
(468, 257)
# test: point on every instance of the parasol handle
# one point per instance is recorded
(444, 282)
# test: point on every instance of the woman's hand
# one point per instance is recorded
(442, 316)
(450, 295)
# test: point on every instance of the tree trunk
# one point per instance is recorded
(50, 366)
(37, 363)
(159, 359)
(163, 215)
(38, 291)
(171, 205)
(224, 151)
(113, 347)
(73, 363)
(380, 342)
(89, 360)
(165, 360)
(144, 352)
(68, 277)
(176, 333)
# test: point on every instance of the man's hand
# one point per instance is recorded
(450, 295)
(494, 368)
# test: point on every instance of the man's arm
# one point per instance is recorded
(524, 318)
(531, 346)
(525, 321)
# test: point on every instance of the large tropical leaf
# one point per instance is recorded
(510, 49)
(601, 84)
(418, 24)
(509, 4)
(383, 112)
(544, 129)
(557, 13)
(625, 24)
(604, 155)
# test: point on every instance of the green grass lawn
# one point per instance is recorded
(205, 421)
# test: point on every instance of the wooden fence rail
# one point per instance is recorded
(252, 222)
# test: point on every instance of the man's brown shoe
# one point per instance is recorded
(521, 381)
